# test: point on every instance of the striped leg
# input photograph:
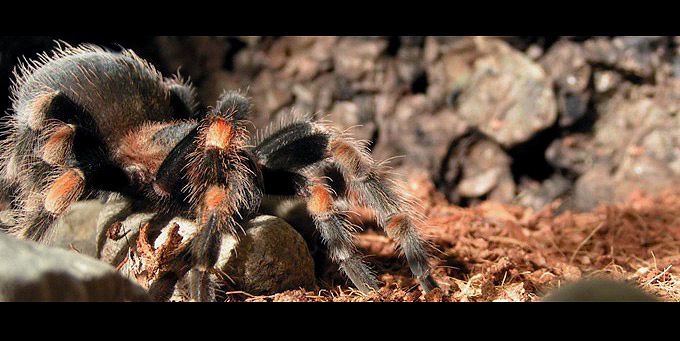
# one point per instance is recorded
(394, 212)
(52, 159)
(223, 184)
(304, 144)
(49, 187)
(61, 192)
(337, 233)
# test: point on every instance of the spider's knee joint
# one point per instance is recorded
(320, 201)
(348, 156)
(398, 225)
(217, 208)
(219, 134)
(215, 197)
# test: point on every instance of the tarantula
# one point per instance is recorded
(88, 121)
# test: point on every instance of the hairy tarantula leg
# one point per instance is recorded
(393, 211)
(336, 232)
(69, 160)
(61, 192)
(224, 185)
(182, 98)
(304, 143)
(215, 217)
(25, 132)
(170, 170)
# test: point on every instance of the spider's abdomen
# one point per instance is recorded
(112, 91)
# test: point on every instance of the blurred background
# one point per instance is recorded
(521, 120)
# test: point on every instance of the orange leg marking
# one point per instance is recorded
(215, 200)
(397, 226)
(66, 189)
(219, 134)
(320, 200)
(215, 197)
(346, 155)
(58, 145)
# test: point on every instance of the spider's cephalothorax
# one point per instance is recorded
(88, 121)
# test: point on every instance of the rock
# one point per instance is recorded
(77, 228)
(479, 184)
(449, 63)
(635, 55)
(276, 94)
(505, 190)
(599, 290)
(35, 272)
(307, 56)
(544, 192)
(632, 146)
(354, 58)
(271, 257)
(183, 52)
(355, 115)
(294, 212)
(120, 224)
(605, 80)
(509, 98)
(485, 167)
(595, 186)
(639, 120)
(409, 60)
(117, 229)
(572, 152)
(428, 138)
(602, 185)
(643, 172)
(418, 133)
(566, 65)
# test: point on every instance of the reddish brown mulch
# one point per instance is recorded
(499, 252)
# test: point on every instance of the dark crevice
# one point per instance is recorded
(626, 75)
(528, 158)
(452, 100)
(586, 122)
(420, 84)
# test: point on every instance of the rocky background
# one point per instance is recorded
(569, 123)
